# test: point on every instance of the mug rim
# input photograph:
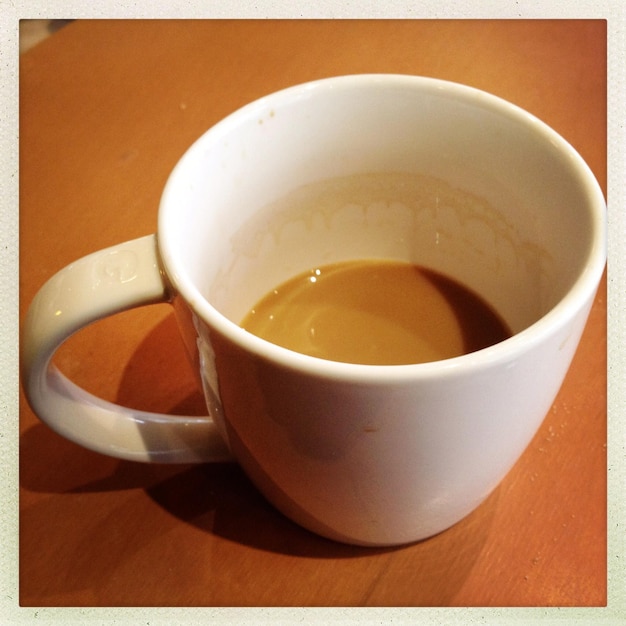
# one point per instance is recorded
(568, 306)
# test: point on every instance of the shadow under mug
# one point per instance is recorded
(473, 187)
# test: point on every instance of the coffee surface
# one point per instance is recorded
(375, 312)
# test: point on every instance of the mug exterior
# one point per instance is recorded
(383, 455)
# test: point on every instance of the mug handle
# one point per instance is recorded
(98, 285)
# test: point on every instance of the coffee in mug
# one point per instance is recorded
(376, 312)
(385, 310)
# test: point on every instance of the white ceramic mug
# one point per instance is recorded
(371, 455)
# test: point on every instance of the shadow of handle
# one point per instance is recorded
(96, 286)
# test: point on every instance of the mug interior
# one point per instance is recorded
(394, 167)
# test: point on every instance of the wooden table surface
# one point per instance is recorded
(106, 110)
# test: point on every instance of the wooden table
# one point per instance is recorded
(107, 108)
